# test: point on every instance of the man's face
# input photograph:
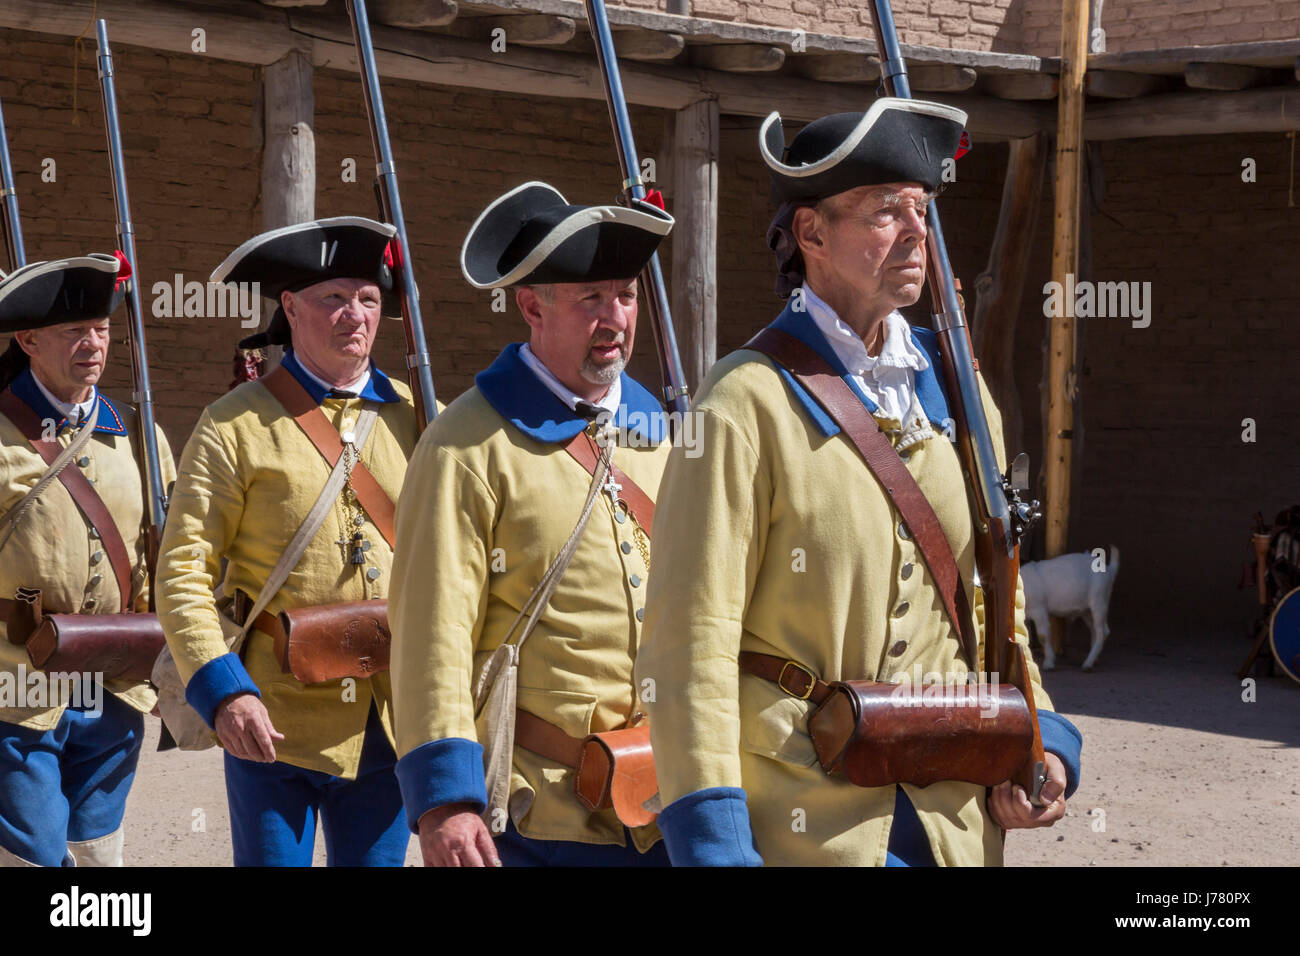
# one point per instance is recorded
(873, 242)
(334, 324)
(582, 331)
(69, 358)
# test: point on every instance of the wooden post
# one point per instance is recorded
(1065, 264)
(695, 236)
(289, 152)
(999, 288)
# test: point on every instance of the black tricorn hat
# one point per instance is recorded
(78, 289)
(533, 235)
(294, 257)
(895, 141)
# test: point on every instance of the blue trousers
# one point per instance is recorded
(68, 784)
(908, 844)
(517, 850)
(273, 808)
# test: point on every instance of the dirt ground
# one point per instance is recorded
(1178, 770)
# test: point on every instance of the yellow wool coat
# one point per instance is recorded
(778, 540)
(486, 508)
(53, 547)
(248, 477)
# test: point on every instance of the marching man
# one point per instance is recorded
(497, 489)
(292, 479)
(783, 565)
(66, 767)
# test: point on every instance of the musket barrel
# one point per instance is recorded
(156, 499)
(661, 319)
(12, 224)
(417, 360)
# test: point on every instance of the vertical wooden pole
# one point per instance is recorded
(695, 236)
(1065, 267)
(1000, 287)
(289, 152)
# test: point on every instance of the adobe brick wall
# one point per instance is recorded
(1150, 24)
(964, 24)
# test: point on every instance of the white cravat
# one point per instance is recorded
(72, 412)
(609, 401)
(354, 387)
(888, 379)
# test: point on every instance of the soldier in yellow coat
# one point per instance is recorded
(250, 476)
(491, 497)
(68, 749)
(776, 540)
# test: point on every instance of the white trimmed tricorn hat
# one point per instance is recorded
(897, 140)
(77, 289)
(295, 257)
(533, 235)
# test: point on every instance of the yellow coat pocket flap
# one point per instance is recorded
(774, 724)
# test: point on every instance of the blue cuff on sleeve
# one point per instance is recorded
(216, 680)
(1063, 739)
(441, 772)
(709, 828)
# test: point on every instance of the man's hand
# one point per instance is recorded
(1010, 807)
(245, 730)
(454, 835)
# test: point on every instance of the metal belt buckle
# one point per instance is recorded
(812, 680)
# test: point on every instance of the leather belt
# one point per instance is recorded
(546, 740)
(266, 622)
(791, 676)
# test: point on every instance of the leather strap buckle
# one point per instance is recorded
(812, 680)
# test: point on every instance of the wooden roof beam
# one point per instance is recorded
(414, 14)
(738, 57)
(941, 78)
(1019, 86)
(1118, 85)
(1222, 76)
(531, 29)
(648, 45)
(837, 67)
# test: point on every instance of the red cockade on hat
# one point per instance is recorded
(964, 146)
(124, 270)
(392, 254)
(655, 198)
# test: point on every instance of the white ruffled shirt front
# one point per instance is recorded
(609, 402)
(888, 379)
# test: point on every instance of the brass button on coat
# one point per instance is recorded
(640, 614)
(83, 461)
(898, 649)
(97, 557)
(903, 532)
(906, 571)
(372, 574)
(89, 605)
(636, 580)
(627, 547)
(94, 580)
(901, 609)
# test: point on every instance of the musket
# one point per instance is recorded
(419, 371)
(151, 468)
(1000, 517)
(652, 277)
(12, 225)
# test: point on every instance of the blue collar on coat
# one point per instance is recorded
(929, 385)
(378, 389)
(25, 387)
(521, 398)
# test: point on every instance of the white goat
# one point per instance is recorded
(1070, 586)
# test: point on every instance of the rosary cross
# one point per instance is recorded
(611, 487)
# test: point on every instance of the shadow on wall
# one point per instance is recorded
(1010, 37)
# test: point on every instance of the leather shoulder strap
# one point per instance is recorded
(641, 505)
(290, 393)
(859, 426)
(85, 496)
